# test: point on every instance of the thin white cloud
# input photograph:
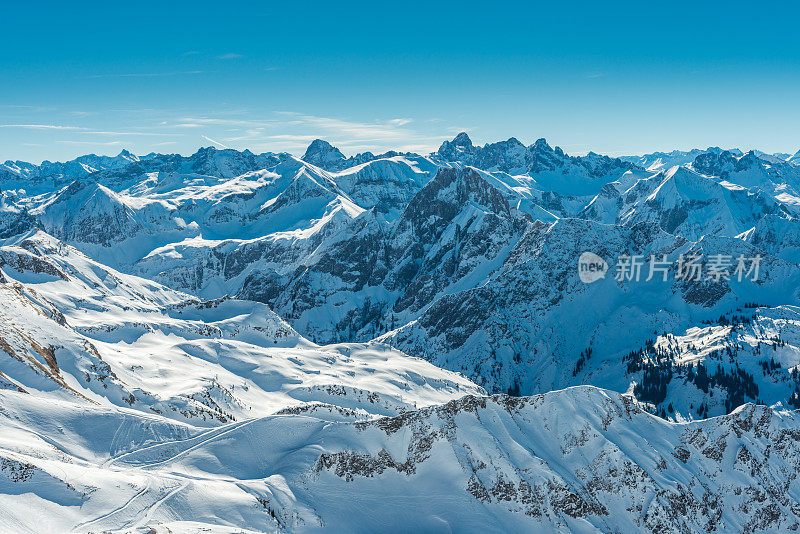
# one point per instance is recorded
(227, 122)
(376, 131)
(89, 143)
(78, 129)
(30, 108)
(42, 127)
(101, 132)
(267, 131)
(290, 137)
(147, 74)
(229, 55)
(253, 134)
(215, 142)
(292, 131)
(459, 129)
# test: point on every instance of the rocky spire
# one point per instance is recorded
(322, 154)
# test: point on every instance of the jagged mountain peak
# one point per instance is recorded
(458, 148)
(462, 140)
(459, 186)
(127, 154)
(323, 154)
(541, 144)
(752, 170)
(207, 152)
(204, 151)
(556, 169)
(510, 143)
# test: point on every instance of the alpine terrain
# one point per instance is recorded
(495, 338)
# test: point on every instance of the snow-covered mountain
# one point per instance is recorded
(74, 317)
(661, 161)
(258, 342)
(73, 169)
(573, 460)
(686, 203)
(550, 168)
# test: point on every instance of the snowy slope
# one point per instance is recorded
(688, 204)
(575, 460)
(80, 326)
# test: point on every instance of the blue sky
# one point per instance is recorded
(613, 77)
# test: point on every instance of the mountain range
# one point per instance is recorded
(245, 342)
